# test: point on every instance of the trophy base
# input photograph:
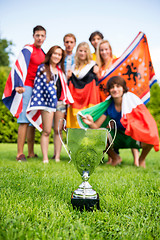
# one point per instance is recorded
(85, 203)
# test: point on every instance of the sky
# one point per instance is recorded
(119, 20)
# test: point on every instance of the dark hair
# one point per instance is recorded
(94, 34)
(47, 61)
(117, 80)
(38, 28)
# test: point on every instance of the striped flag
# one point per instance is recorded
(136, 119)
(135, 66)
(84, 89)
(44, 96)
(17, 76)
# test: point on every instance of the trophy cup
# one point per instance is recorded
(86, 150)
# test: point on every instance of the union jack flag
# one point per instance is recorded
(135, 66)
(12, 99)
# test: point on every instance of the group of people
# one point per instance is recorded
(58, 85)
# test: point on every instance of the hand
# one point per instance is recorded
(96, 70)
(20, 90)
(69, 74)
(88, 119)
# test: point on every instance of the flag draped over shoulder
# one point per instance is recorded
(136, 119)
(44, 96)
(17, 77)
(84, 90)
(135, 66)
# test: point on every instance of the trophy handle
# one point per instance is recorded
(111, 140)
(64, 127)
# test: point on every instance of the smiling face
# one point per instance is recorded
(82, 53)
(95, 40)
(105, 51)
(116, 91)
(56, 56)
(39, 37)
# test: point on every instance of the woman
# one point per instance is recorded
(83, 84)
(49, 98)
(105, 59)
(136, 127)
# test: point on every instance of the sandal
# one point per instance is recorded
(21, 158)
(35, 156)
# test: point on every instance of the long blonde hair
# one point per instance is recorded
(88, 57)
(99, 60)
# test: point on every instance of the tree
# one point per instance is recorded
(5, 51)
(154, 104)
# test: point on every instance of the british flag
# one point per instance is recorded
(13, 100)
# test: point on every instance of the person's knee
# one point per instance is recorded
(46, 133)
(146, 146)
(56, 132)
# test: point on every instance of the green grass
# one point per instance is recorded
(35, 200)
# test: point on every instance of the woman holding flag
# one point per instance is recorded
(105, 60)
(49, 98)
(136, 127)
(83, 84)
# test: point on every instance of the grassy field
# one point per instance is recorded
(35, 200)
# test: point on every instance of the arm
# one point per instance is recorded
(94, 125)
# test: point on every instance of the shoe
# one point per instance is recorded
(21, 158)
(45, 161)
(35, 156)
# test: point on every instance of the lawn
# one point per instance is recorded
(35, 200)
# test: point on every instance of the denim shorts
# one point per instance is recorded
(61, 107)
(26, 97)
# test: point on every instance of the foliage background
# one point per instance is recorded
(9, 126)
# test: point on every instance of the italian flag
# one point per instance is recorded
(136, 119)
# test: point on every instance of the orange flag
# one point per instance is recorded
(135, 66)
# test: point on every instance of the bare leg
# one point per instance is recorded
(135, 153)
(116, 159)
(109, 160)
(47, 119)
(57, 143)
(30, 140)
(146, 148)
(22, 131)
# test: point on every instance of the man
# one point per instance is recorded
(69, 43)
(94, 39)
(18, 89)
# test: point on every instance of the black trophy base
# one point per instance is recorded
(85, 203)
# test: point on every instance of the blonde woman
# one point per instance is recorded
(105, 58)
(83, 84)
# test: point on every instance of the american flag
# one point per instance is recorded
(44, 96)
(17, 76)
(135, 66)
